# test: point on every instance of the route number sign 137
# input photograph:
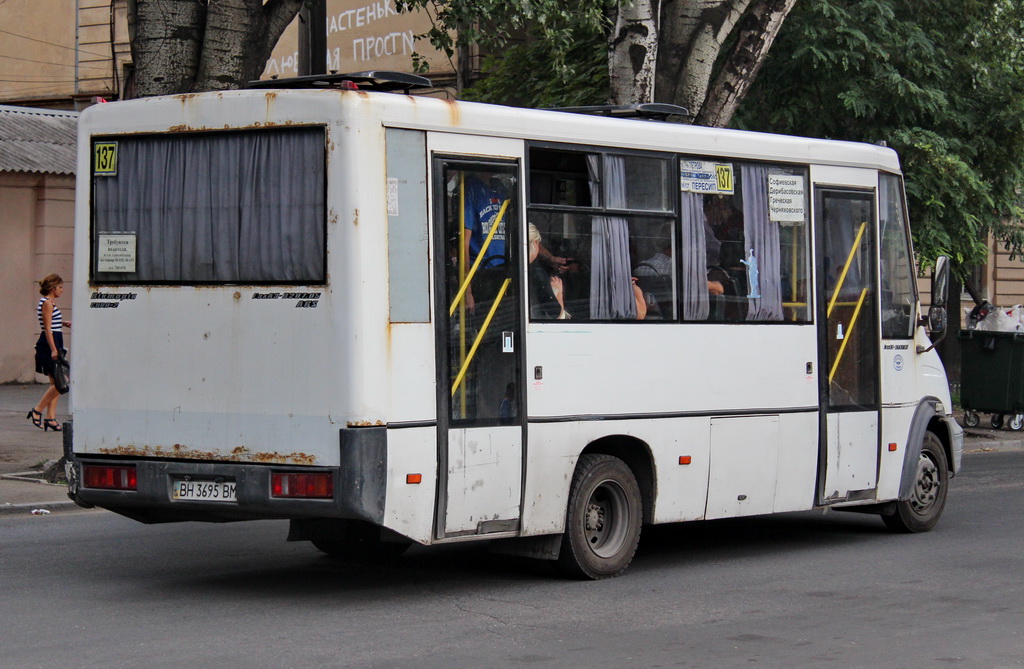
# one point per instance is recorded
(104, 159)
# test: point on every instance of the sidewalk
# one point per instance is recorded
(25, 448)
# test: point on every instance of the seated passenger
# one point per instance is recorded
(546, 300)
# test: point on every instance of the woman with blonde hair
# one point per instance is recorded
(48, 348)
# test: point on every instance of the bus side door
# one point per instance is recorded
(479, 325)
(848, 344)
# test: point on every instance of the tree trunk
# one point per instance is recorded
(692, 34)
(187, 46)
(239, 37)
(166, 38)
(757, 31)
(633, 51)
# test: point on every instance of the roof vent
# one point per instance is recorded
(653, 111)
(375, 80)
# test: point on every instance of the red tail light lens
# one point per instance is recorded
(319, 485)
(109, 477)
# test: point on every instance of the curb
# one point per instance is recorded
(27, 509)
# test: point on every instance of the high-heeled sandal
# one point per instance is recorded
(52, 424)
(36, 418)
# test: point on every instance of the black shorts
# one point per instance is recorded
(44, 361)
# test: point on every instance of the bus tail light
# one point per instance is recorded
(318, 485)
(110, 477)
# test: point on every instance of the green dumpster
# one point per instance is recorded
(992, 376)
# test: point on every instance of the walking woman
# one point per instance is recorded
(48, 347)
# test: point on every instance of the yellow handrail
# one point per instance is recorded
(846, 337)
(846, 267)
(479, 337)
(479, 258)
(462, 278)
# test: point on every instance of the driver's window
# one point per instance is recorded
(898, 296)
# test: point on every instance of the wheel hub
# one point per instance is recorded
(927, 486)
(595, 518)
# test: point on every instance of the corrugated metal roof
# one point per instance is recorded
(37, 140)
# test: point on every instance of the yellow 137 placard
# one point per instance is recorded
(104, 161)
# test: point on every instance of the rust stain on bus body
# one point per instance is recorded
(454, 113)
(365, 423)
(239, 454)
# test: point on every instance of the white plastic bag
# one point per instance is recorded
(1002, 320)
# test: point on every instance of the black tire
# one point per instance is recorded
(602, 523)
(997, 421)
(921, 512)
(357, 541)
(1016, 423)
(971, 419)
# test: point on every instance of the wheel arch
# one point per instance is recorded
(927, 418)
(637, 455)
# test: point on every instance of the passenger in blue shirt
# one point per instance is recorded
(483, 202)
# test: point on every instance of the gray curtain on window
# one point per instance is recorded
(231, 207)
(761, 235)
(611, 291)
(696, 302)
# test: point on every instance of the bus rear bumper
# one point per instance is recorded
(356, 488)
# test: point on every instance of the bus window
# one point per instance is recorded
(219, 208)
(898, 294)
(605, 223)
(744, 242)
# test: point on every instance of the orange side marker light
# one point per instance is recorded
(414, 478)
(892, 447)
(685, 459)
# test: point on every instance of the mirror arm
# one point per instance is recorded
(922, 349)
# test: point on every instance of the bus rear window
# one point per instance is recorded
(234, 207)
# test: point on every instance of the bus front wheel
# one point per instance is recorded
(602, 525)
(927, 499)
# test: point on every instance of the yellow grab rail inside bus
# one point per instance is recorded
(479, 337)
(479, 257)
(846, 267)
(847, 335)
(462, 278)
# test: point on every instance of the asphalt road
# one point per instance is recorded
(800, 590)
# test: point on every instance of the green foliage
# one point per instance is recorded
(540, 53)
(941, 82)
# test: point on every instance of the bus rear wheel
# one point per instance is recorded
(927, 499)
(602, 525)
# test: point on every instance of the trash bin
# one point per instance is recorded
(992, 377)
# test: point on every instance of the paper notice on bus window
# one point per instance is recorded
(786, 197)
(704, 176)
(115, 252)
(392, 196)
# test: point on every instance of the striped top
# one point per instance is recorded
(56, 321)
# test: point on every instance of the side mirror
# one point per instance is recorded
(940, 283)
(937, 320)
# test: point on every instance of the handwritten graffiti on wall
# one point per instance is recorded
(372, 35)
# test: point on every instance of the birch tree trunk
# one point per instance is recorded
(633, 51)
(693, 32)
(182, 46)
(757, 31)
